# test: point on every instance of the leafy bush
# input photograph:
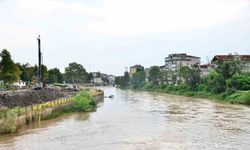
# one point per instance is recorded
(216, 82)
(240, 81)
(201, 87)
(84, 102)
(7, 122)
(245, 97)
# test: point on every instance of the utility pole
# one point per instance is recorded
(39, 77)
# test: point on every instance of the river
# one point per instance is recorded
(136, 120)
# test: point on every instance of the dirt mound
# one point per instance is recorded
(29, 97)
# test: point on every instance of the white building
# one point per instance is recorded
(176, 61)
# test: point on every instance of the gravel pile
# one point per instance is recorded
(29, 97)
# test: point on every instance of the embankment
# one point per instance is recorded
(13, 118)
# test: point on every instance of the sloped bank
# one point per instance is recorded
(12, 119)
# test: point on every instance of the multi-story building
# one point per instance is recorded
(176, 61)
(102, 79)
(134, 69)
(243, 59)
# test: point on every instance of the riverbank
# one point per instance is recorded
(13, 118)
(234, 97)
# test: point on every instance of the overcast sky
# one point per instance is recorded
(108, 35)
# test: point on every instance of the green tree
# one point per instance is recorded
(190, 76)
(75, 73)
(55, 76)
(138, 79)
(28, 72)
(216, 82)
(154, 75)
(90, 77)
(122, 81)
(240, 81)
(9, 71)
(228, 69)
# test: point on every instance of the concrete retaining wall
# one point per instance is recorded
(37, 112)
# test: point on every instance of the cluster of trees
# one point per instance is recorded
(11, 72)
(226, 77)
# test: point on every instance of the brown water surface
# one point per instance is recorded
(141, 120)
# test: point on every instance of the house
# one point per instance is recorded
(20, 84)
(102, 79)
(244, 59)
(176, 61)
(97, 80)
(205, 69)
(111, 79)
(134, 69)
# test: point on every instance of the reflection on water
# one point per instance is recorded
(141, 120)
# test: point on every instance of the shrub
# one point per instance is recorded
(246, 97)
(201, 87)
(84, 102)
(7, 122)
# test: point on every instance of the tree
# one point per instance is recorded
(28, 72)
(154, 74)
(216, 82)
(90, 77)
(122, 81)
(75, 73)
(55, 76)
(228, 69)
(138, 79)
(162, 77)
(191, 77)
(9, 71)
(240, 81)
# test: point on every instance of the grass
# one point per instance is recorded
(238, 97)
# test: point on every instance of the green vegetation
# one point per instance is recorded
(7, 121)
(55, 76)
(10, 72)
(53, 115)
(75, 73)
(226, 82)
(83, 102)
(122, 81)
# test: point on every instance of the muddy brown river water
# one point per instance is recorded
(141, 120)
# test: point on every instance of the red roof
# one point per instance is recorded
(231, 57)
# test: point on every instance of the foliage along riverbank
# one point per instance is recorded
(226, 82)
(82, 102)
(237, 97)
